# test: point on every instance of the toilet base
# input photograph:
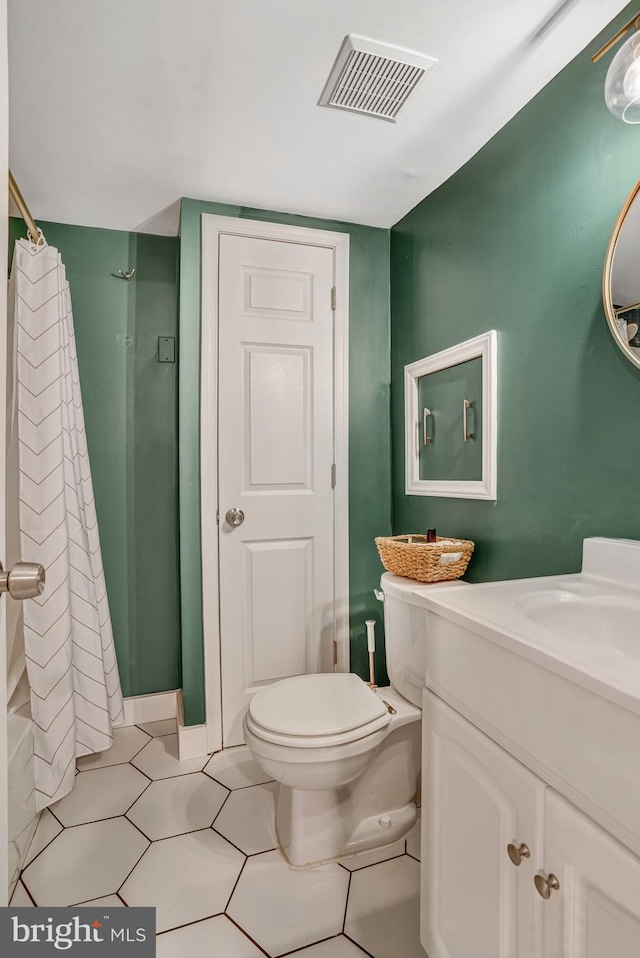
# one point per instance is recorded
(379, 830)
(374, 810)
(338, 801)
(315, 827)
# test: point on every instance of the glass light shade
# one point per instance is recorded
(622, 85)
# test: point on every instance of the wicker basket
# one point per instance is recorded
(414, 557)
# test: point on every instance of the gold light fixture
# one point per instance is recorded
(622, 84)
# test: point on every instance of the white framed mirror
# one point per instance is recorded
(451, 418)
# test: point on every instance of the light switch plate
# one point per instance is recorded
(166, 349)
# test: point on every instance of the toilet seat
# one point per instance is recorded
(316, 711)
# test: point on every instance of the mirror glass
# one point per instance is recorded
(450, 447)
(621, 281)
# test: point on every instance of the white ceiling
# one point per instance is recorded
(120, 107)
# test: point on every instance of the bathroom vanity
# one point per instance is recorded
(531, 764)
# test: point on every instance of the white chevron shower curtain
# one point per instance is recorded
(71, 663)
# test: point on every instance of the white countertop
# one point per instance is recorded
(583, 626)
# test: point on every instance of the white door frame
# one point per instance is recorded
(212, 228)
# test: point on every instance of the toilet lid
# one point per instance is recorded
(316, 705)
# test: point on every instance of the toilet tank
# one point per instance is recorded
(405, 629)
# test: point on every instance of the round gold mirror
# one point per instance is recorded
(621, 279)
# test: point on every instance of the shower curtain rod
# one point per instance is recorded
(23, 209)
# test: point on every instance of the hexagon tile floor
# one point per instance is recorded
(197, 840)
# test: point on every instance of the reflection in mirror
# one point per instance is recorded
(621, 280)
(452, 397)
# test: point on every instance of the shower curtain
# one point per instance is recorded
(71, 665)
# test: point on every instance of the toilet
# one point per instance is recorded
(347, 759)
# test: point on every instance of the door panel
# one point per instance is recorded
(277, 637)
(277, 426)
(595, 913)
(277, 292)
(275, 451)
(474, 900)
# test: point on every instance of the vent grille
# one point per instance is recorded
(373, 78)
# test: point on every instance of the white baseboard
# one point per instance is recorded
(192, 739)
(150, 708)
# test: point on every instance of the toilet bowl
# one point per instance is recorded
(347, 758)
(338, 721)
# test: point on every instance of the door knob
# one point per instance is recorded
(25, 580)
(234, 516)
(544, 886)
(517, 852)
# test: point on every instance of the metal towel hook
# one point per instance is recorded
(121, 275)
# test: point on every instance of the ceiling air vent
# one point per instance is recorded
(373, 78)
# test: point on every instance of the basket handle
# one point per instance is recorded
(448, 557)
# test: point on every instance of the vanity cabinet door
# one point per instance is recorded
(475, 903)
(595, 912)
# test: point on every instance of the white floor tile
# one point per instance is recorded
(236, 768)
(159, 759)
(185, 878)
(156, 729)
(248, 818)
(20, 898)
(339, 947)
(86, 862)
(109, 901)
(126, 742)
(355, 862)
(100, 793)
(413, 839)
(172, 806)
(48, 828)
(215, 936)
(189, 877)
(283, 908)
(383, 914)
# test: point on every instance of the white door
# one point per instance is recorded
(4, 199)
(475, 902)
(595, 912)
(275, 456)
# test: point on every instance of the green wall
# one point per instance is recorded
(515, 241)
(369, 449)
(130, 413)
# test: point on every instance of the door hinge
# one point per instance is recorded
(335, 655)
(333, 476)
(218, 517)
(333, 297)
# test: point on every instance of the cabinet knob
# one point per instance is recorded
(544, 886)
(517, 852)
